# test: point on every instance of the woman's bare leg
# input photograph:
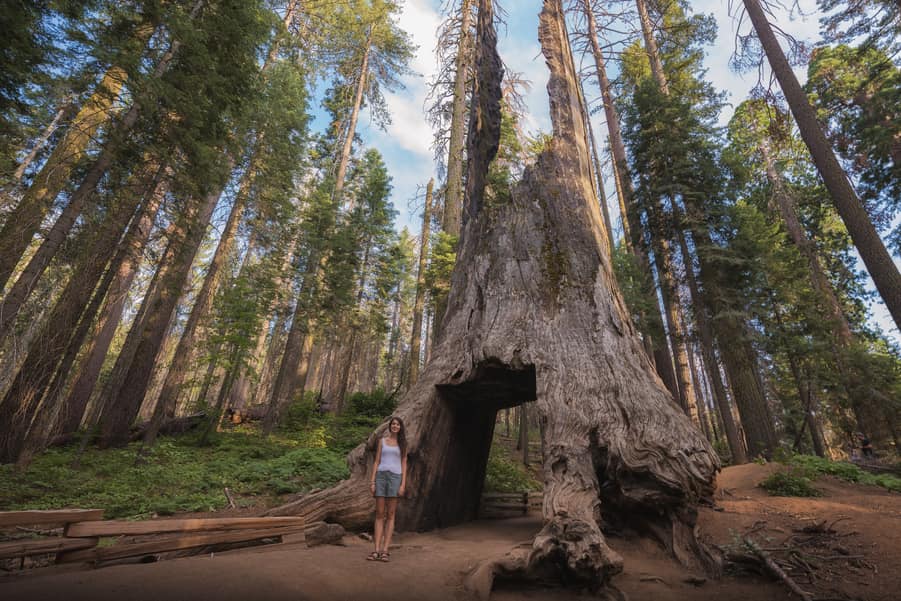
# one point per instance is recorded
(391, 508)
(379, 523)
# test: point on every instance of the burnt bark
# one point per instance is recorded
(534, 314)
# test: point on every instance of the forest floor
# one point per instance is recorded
(850, 550)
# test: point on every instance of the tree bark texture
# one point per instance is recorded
(872, 250)
(126, 401)
(650, 46)
(24, 395)
(22, 224)
(416, 337)
(534, 314)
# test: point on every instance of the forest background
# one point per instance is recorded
(150, 120)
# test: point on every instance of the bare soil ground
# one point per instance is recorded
(855, 554)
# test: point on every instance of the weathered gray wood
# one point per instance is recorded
(534, 314)
(35, 546)
(121, 527)
(55, 516)
(173, 544)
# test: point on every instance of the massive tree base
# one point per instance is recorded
(534, 314)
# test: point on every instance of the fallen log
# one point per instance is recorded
(178, 425)
(35, 546)
(125, 528)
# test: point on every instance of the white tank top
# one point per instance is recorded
(390, 460)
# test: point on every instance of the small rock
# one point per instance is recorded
(365, 536)
(695, 580)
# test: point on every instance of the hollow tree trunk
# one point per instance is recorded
(872, 250)
(534, 314)
(415, 338)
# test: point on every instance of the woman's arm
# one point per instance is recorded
(403, 475)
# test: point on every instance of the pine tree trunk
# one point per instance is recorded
(23, 223)
(650, 46)
(534, 314)
(28, 279)
(61, 115)
(119, 415)
(22, 399)
(865, 237)
(354, 115)
(110, 315)
(706, 336)
(415, 349)
(663, 360)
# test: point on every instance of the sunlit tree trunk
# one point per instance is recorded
(872, 250)
(362, 76)
(415, 349)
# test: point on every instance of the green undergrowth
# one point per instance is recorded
(180, 475)
(800, 471)
(506, 473)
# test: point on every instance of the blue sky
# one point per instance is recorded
(406, 142)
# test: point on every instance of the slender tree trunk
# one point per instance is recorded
(30, 385)
(23, 223)
(453, 190)
(28, 279)
(110, 316)
(870, 246)
(188, 236)
(415, 349)
(706, 336)
(355, 113)
(650, 46)
(39, 144)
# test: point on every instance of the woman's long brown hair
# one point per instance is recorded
(401, 436)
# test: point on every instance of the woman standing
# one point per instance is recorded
(389, 478)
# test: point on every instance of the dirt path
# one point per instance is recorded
(431, 566)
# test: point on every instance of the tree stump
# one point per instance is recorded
(534, 313)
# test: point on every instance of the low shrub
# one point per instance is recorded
(789, 483)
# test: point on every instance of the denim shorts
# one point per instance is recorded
(387, 484)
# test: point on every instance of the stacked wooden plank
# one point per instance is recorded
(85, 528)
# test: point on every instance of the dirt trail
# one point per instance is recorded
(431, 566)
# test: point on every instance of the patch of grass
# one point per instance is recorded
(181, 476)
(815, 466)
(789, 483)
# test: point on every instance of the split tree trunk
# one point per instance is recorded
(534, 314)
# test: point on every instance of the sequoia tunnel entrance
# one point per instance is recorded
(471, 410)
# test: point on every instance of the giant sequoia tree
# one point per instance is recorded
(534, 315)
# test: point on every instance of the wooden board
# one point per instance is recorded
(56, 516)
(173, 544)
(121, 527)
(35, 546)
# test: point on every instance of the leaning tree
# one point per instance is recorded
(534, 314)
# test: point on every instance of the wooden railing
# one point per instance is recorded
(83, 529)
(501, 505)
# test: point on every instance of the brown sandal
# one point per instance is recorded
(374, 556)
(386, 557)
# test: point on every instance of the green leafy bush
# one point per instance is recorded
(505, 474)
(789, 483)
(377, 403)
(815, 466)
